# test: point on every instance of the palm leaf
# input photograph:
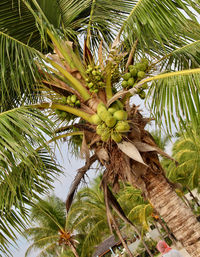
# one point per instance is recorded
(18, 131)
(185, 57)
(158, 31)
(26, 31)
(175, 98)
(19, 72)
(90, 18)
(186, 150)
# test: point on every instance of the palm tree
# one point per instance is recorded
(186, 152)
(137, 209)
(89, 213)
(51, 230)
(75, 84)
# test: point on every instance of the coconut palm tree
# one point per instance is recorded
(136, 208)
(186, 152)
(51, 232)
(87, 83)
(91, 224)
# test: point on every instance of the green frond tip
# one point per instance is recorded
(73, 81)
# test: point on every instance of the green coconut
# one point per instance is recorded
(69, 99)
(120, 115)
(133, 72)
(127, 76)
(112, 110)
(99, 129)
(94, 73)
(115, 106)
(104, 114)
(130, 67)
(101, 107)
(96, 119)
(124, 84)
(78, 103)
(117, 137)
(122, 126)
(73, 98)
(64, 100)
(141, 74)
(131, 82)
(105, 136)
(141, 66)
(110, 121)
(90, 85)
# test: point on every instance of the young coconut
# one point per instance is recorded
(110, 121)
(96, 119)
(122, 126)
(117, 137)
(105, 136)
(120, 115)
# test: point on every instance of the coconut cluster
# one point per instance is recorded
(94, 79)
(111, 122)
(136, 73)
(71, 100)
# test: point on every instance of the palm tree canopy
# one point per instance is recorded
(186, 151)
(48, 225)
(47, 58)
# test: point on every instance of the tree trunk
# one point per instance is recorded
(177, 215)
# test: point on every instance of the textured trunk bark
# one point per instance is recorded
(177, 215)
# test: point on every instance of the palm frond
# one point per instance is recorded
(158, 31)
(19, 72)
(185, 57)
(186, 151)
(175, 98)
(21, 128)
(26, 31)
(99, 19)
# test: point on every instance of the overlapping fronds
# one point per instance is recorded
(21, 128)
(175, 98)
(182, 58)
(19, 73)
(160, 25)
(186, 151)
(18, 189)
(49, 218)
(25, 171)
(17, 22)
(98, 19)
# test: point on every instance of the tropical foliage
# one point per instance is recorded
(51, 232)
(186, 151)
(78, 65)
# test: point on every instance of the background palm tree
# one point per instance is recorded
(89, 213)
(51, 232)
(186, 152)
(76, 83)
